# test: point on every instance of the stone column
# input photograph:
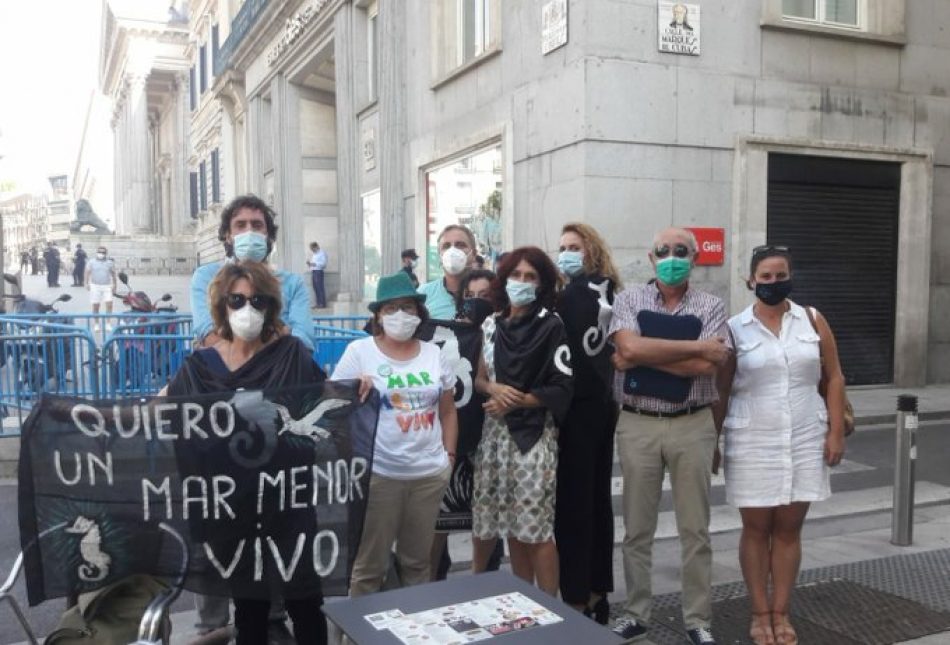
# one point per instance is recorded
(138, 213)
(348, 168)
(391, 137)
(252, 132)
(118, 191)
(288, 176)
(180, 210)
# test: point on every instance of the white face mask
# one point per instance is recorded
(101, 256)
(246, 323)
(454, 260)
(400, 326)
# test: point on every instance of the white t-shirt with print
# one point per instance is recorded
(409, 433)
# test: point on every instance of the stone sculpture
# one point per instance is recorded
(85, 216)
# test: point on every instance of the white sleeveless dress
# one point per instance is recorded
(776, 423)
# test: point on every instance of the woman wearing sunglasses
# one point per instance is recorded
(416, 435)
(781, 438)
(251, 353)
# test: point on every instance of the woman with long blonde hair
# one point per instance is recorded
(583, 524)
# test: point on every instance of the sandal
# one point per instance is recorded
(784, 632)
(761, 630)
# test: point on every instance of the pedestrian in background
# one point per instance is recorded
(409, 262)
(416, 435)
(457, 252)
(671, 427)
(34, 261)
(781, 437)
(79, 266)
(100, 280)
(525, 370)
(51, 256)
(584, 522)
(317, 264)
(24, 261)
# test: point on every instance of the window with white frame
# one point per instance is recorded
(465, 30)
(834, 13)
(372, 47)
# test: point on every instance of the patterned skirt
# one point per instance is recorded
(513, 492)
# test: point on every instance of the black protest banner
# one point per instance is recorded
(246, 494)
(461, 344)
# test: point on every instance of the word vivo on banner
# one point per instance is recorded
(246, 494)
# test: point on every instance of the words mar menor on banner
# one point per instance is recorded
(243, 494)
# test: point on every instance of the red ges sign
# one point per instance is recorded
(712, 245)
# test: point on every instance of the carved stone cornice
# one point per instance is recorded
(295, 26)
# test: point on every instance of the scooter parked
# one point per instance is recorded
(144, 361)
(40, 359)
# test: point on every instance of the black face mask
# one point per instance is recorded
(772, 293)
(476, 310)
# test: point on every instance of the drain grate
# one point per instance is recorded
(870, 602)
(731, 620)
(867, 615)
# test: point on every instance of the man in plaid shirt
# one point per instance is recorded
(661, 433)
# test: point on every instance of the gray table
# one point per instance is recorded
(349, 614)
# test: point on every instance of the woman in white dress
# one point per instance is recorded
(780, 436)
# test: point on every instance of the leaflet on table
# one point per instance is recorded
(466, 622)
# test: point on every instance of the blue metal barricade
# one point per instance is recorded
(140, 358)
(114, 355)
(37, 356)
(331, 343)
(339, 322)
(101, 325)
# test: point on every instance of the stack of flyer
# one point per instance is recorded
(466, 622)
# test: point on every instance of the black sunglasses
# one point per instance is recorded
(679, 250)
(768, 248)
(238, 300)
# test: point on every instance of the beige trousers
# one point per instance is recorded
(403, 511)
(685, 446)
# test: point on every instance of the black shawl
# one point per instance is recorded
(282, 363)
(586, 306)
(532, 354)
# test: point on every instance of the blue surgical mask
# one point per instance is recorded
(571, 263)
(519, 293)
(250, 246)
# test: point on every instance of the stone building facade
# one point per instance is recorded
(144, 74)
(822, 125)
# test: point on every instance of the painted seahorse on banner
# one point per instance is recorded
(96, 561)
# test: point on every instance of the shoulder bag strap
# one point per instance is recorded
(823, 382)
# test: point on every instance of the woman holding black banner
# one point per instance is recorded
(584, 522)
(526, 373)
(415, 437)
(252, 354)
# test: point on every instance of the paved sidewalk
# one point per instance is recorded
(878, 405)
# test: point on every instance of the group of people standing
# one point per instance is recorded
(565, 350)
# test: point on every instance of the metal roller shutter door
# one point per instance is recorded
(840, 219)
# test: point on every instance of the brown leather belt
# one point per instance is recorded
(689, 409)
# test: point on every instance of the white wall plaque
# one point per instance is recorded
(678, 27)
(553, 26)
(369, 149)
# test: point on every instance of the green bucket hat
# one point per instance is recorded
(391, 287)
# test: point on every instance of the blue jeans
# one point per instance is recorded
(318, 290)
